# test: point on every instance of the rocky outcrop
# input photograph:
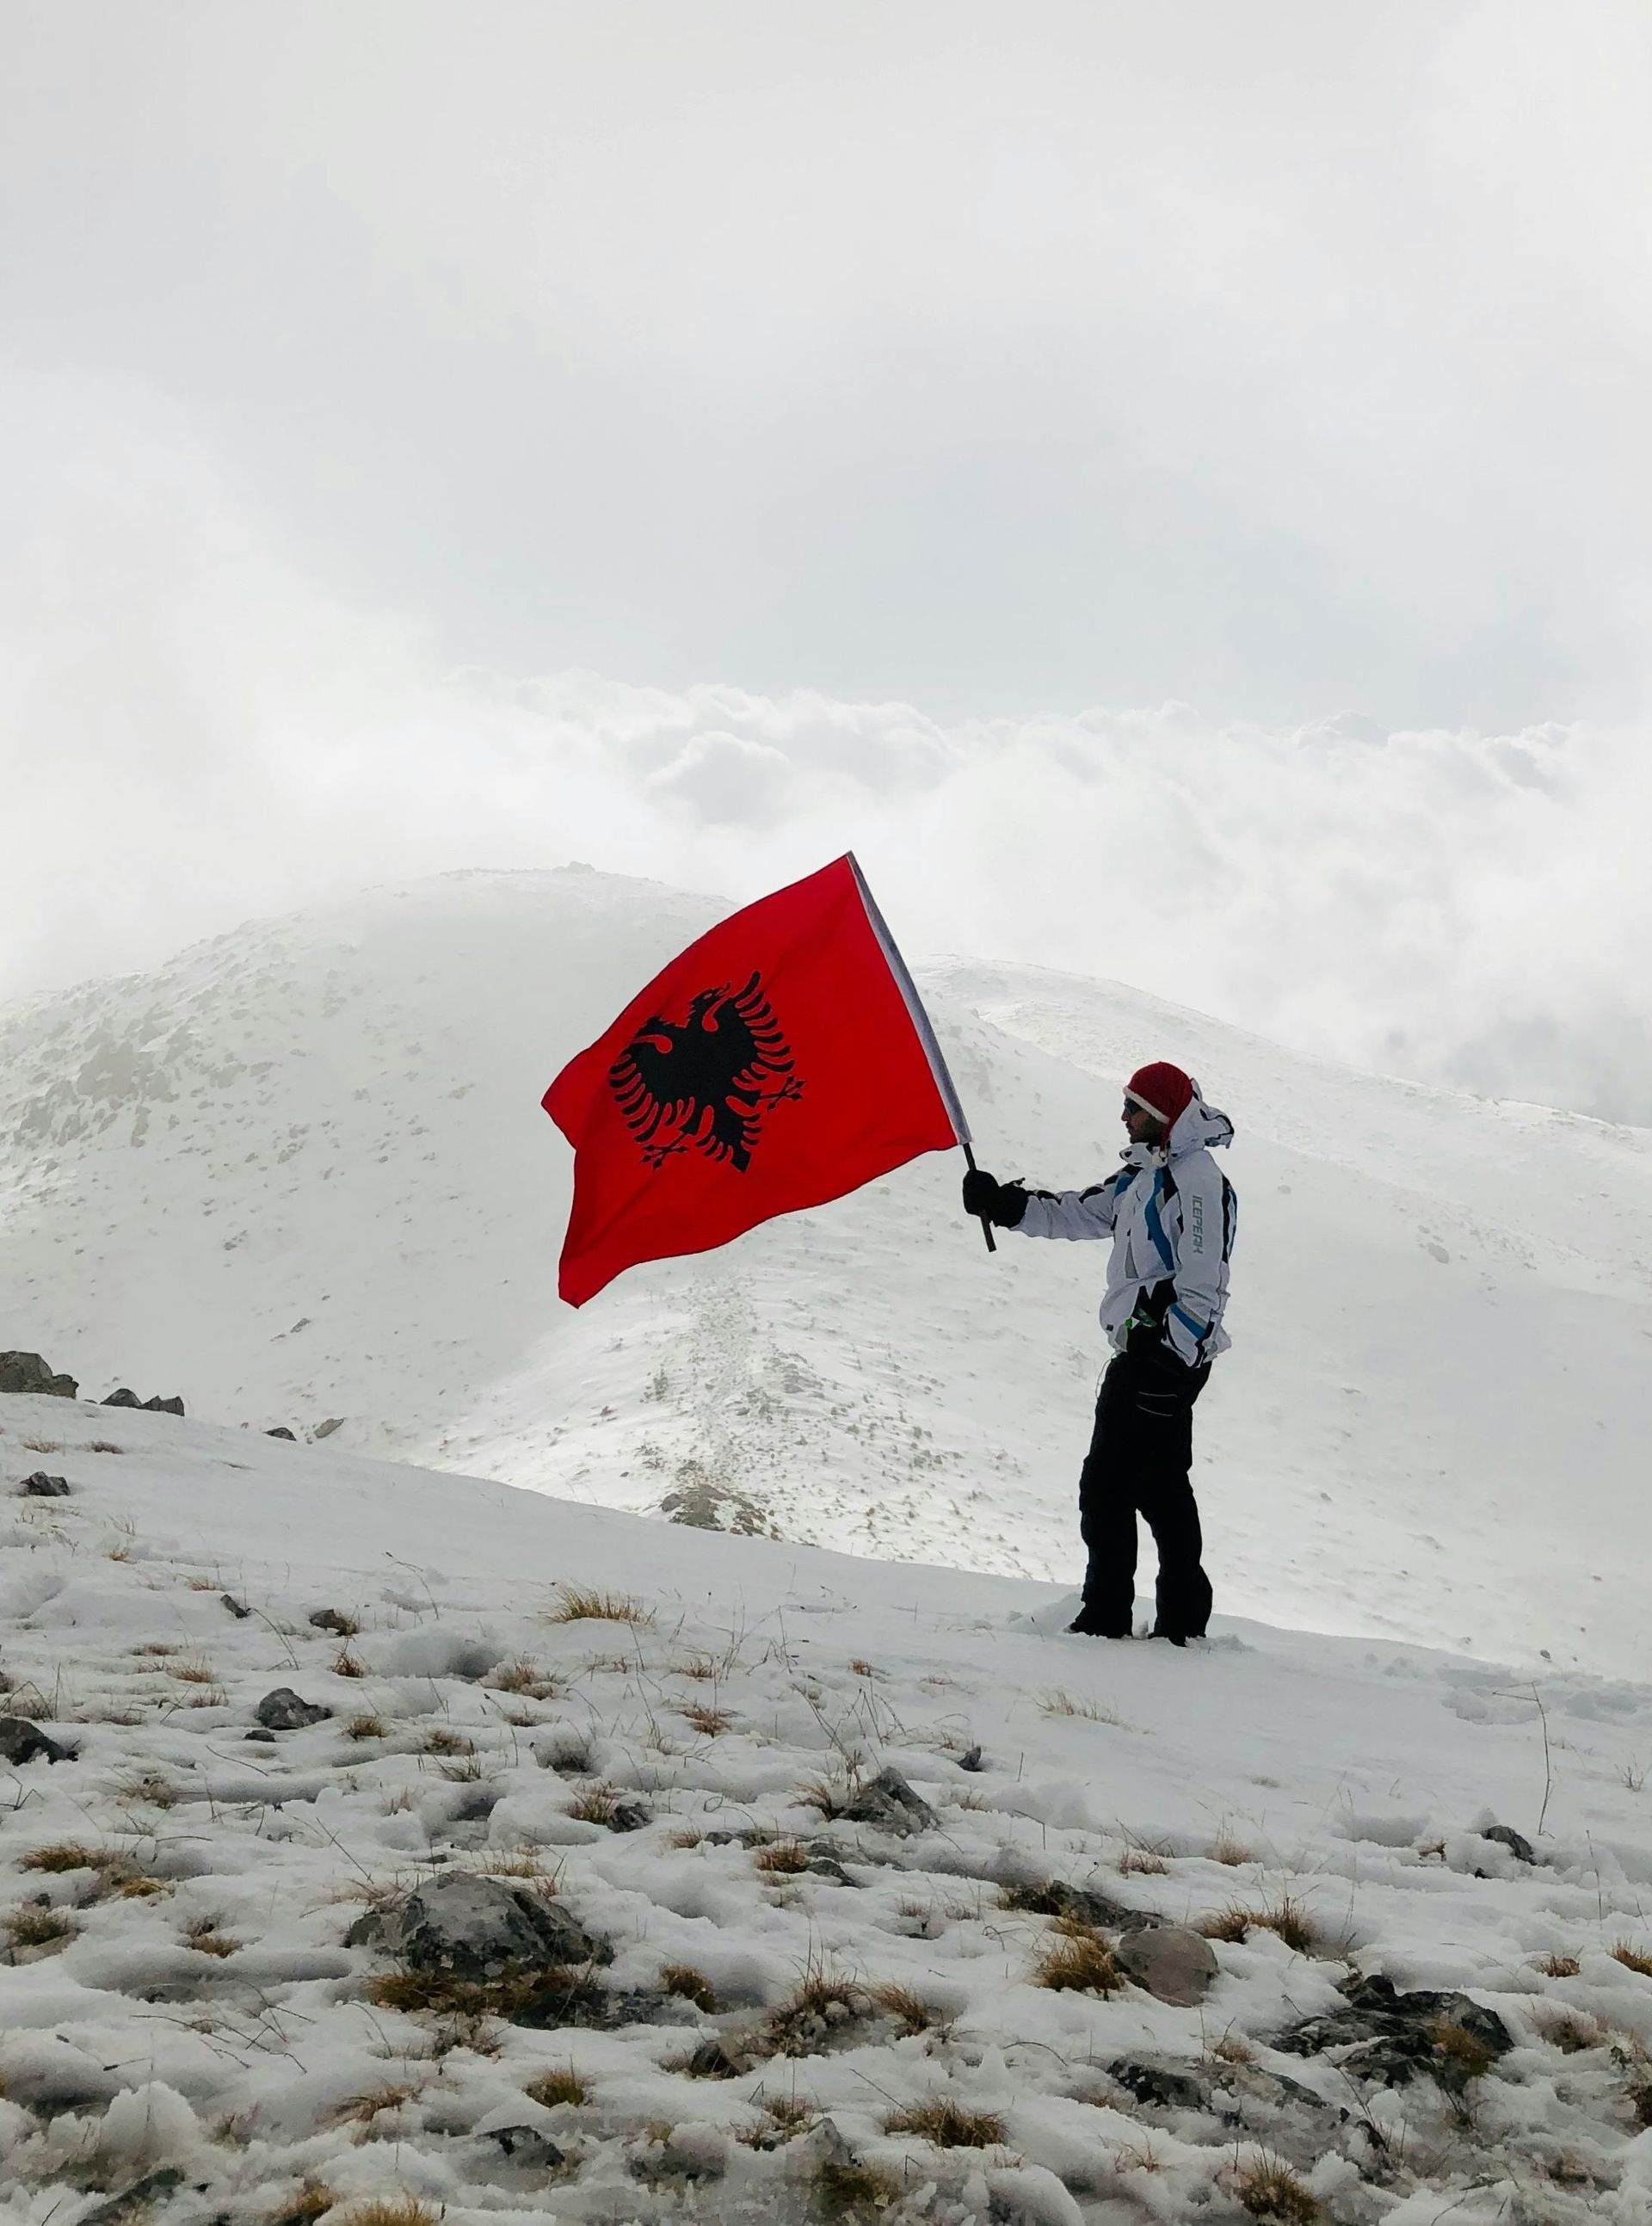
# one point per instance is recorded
(28, 1372)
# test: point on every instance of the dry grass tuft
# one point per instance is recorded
(1269, 2188)
(553, 1995)
(562, 2085)
(688, 1836)
(404, 2211)
(948, 2124)
(1232, 2048)
(831, 1795)
(784, 2116)
(365, 1727)
(860, 1669)
(193, 1669)
(823, 2002)
(347, 1663)
(1559, 1966)
(595, 1805)
(1230, 1850)
(704, 1667)
(579, 1604)
(1284, 1918)
(377, 2103)
(907, 2007)
(313, 2201)
(1079, 1961)
(202, 1935)
(525, 1676)
(693, 1986)
(854, 2194)
(1142, 1862)
(1570, 2032)
(439, 1740)
(1462, 2057)
(65, 1855)
(708, 1721)
(781, 1857)
(1632, 1958)
(38, 1928)
(1060, 1703)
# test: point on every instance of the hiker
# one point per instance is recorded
(1171, 1213)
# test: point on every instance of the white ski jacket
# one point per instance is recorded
(1172, 1214)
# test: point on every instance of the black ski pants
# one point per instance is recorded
(1140, 1461)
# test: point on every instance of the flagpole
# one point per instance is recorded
(920, 1020)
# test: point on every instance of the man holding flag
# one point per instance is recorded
(1171, 1213)
(785, 1058)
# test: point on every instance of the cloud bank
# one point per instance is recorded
(195, 735)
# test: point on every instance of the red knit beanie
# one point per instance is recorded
(1161, 1090)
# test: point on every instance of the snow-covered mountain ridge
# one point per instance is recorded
(301, 1173)
(200, 2020)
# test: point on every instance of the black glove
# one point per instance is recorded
(985, 1198)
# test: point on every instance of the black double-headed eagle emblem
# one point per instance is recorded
(709, 1081)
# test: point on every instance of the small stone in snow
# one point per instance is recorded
(122, 1398)
(329, 1618)
(527, 2145)
(1157, 2082)
(238, 1609)
(21, 1741)
(970, 1758)
(1506, 1836)
(41, 1486)
(263, 1739)
(325, 1430)
(281, 1431)
(283, 1711)
(1174, 1964)
(124, 2209)
(888, 1802)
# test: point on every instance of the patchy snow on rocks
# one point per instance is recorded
(379, 1844)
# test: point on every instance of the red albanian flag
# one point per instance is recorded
(780, 1061)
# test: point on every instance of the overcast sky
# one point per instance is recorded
(898, 406)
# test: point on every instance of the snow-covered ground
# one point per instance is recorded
(301, 1175)
(184, 2014)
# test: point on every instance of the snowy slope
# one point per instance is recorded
(179, 1997)
(301, 1173)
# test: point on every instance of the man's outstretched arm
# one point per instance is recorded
(1071, 1213)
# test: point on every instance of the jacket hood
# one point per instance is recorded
(1200, 1128)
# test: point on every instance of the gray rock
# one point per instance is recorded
(281, 1431)
(173, 1406)
(889, 1803)
(28, 1372)
(1392, 2036)
(1174, 1964)
(283, 1711)
(971, 1759)
(41, 1486)
(136, 2201)
(527, 2145)
(261, 1739)
(475, 1928)
(21, 1742)
(1505, 1837)
(123, 1398)
(1152, 2081)
(713, 2060)
(325, 1430)
(629, 1817)
(238, 1609)
(329, 1618)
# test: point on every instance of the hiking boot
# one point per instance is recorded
(1088, 1625)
